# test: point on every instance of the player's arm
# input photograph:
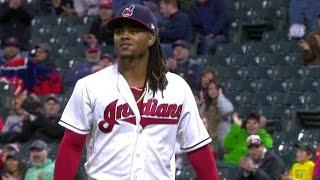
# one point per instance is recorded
(203, 163)
(69, 155)
(194, 139)
(77, 119)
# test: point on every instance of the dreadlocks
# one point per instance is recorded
(156, 68)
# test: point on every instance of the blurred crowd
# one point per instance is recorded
(38, 85)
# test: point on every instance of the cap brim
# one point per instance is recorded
(113, 23)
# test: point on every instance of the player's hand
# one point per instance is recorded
(236, 119)
(304, 45)
(247, 164)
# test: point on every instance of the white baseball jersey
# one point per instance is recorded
(121, 142)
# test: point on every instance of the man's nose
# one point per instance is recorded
(125, 34)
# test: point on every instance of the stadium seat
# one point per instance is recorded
(262, 99)
(279, 86)
(185, 173)
(244, 110)
(228, 49)
(266, 73)
(255, 48)
(215, 60)
(267, 59)
(293, 59)
(6, 95)
(274, 36)
(297, 72)
(284, 47)
(312, 72)
(239, 60)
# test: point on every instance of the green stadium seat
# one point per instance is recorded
(266, 73)
(266, 59)
(274, 36)
(216, 60)
(243, 111)
(45, 20)
(262, 99)
(227, 49)
(297, 72)
(70, 20)
(313, 99)
(279, 98)
(185, 173)
(240, 60)
(284, 47)
(293, 59)
(295, 99)
(255, 48)
(6, 95)
(279, 86)
(312, 72)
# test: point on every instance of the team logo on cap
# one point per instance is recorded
(128, 11)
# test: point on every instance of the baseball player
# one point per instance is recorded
(130, 114)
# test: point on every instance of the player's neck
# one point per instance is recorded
(134, 71)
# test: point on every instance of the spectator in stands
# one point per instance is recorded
(42, 165)
(81, 70)
(301, 11)
(6, 149)
(182, 64)
(31, 75)
(48, 79)
(98, 31)
(207, 75)
(105, 61)
(86, 7)
(13, 68)
(179, 26)
(210, 19)
(216, 110)
(11, 47)
(155, 9)
(261, 163)
(63, 7)
(38, 124)
(235, 139)
(15, 20)
(14, 167)
(14, 121)
(303, 169)
(310, 48)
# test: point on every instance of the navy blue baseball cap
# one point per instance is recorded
(182, 43)
(137, 13)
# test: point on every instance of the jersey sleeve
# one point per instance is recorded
(78, 113)
(192, 133)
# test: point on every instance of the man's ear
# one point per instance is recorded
(152, 39)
